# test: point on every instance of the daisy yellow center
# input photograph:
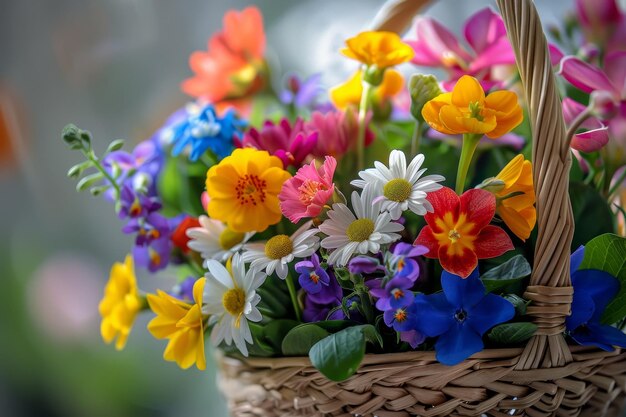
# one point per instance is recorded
(397, 189)
(234, 301)
(360, 230)
(229, 238)
(278, 247)
(454, 236)
(250, 190)
(308, 189)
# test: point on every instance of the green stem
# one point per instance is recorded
(415, 140)
(363, 106)
(294, 296)
(617, 184)
(99, 167)
(470, 142)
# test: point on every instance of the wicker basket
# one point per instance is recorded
(548, 377)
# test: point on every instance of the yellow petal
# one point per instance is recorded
(452, 119)
(466, 91)
(431, 111)
(348, 93)
(511, 172)
(506, 123)
(198, 291)
(472, 125)
(392, 84)
(502, 101)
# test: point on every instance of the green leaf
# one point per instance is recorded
(76, 170)
(592, 214)
(116, 145)
(339, 355)
(512, 333)
(88, 181)
(275, 331)
(608, 253)
(300, 339)
(510, 272)
(518, 302)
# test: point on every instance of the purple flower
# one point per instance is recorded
(152, 227)
(365, 265)
(184, 289)
(136, 205)
(395, 294)
(317, 306)
(153, 255)
(292, 144)
(312, 276)
(300, 93)
(402, 319)
(460, 316)
(593, 291)
(403, 262)
(412, 337)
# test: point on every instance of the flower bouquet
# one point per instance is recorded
(372, 255)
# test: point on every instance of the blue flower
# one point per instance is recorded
(460, 316)
(312, 276)
(593, 291)
(202, 130)
(402, 319)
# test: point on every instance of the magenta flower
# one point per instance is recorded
(290, 143)
(305, 194)
(602, 23)
(608, 83)
(594, 135)
(337, 132)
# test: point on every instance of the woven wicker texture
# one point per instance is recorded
(546, 378)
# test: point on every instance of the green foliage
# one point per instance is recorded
(300, 339)
(608, 253)
(339, 355)
(592, 214)
(518, 302)
(506, 274)
(512, 333)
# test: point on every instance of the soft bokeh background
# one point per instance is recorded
(114, 67)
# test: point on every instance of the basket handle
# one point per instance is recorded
(550, 284)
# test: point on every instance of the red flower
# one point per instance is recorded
(179, 237)
(458, 231)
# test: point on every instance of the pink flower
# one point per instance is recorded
(292, 144)
(607, 83)
(595, 134)
(337, 132)
(603, 23)
(490, 51)
(305, 194)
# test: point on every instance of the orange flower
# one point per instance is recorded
(378, 48)
(517, 211)
(349, 93)
(467, 110)
(233, 67)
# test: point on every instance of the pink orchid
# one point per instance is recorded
(490, 58)
(290, 143)
(305, 194)
(602, 23)
(337, 131)
(611, 84)
(595, 134)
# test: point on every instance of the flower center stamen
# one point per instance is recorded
(398, 189)
(308, 189)
(397, 293)
(400, 315)
(314, 277)
(460, 315)
(250, 189)
(278, 247)
(234, 300)
(454, 236)
(475, 111)
(360, 230)
(229, 238)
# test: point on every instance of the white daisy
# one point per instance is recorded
(214, 240)
(276, 253)
(231, 300)
(364, 233)
(400, 187)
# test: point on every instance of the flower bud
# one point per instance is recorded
(493, 185)
(603, 104)
(422, 88)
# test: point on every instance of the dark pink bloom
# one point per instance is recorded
(337, 132)
(602, 22)
(595, 134)
(292, 144)
(305, 194)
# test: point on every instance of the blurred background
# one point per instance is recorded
(114, 67)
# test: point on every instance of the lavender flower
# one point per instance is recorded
(403, 260)
(312, 276)
(396, 294)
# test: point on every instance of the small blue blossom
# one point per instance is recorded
(395, 294)
(203, 130)
(402, 319)
(135, 205)
(593, 291)
(460, 316)
(312, 276)
(365, 265)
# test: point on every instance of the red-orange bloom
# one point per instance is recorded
(232, 68)
(458, 231)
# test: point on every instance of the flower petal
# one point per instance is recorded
(602, 336)
(492, 242)
(479, 206)
(601, 286)
(467, 90)
(458, 344)
(434, 315)
(443, 201)
(591, 140)
(427, 239)
(615, 68)
(458, 264)
(462, 292)
(584, 76)
(491, 310)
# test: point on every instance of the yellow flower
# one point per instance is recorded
(467, 110)
(378, 48)
(120, 303)
(349, 93)
(243, 190)
(182, 324)
(518, 210)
